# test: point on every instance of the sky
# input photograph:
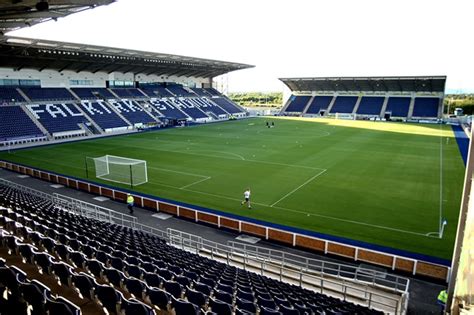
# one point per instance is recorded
(293, 38)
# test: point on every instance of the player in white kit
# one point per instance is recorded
(246, 198)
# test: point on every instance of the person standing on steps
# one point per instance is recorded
(130, 202)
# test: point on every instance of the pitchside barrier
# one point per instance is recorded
(393, 259)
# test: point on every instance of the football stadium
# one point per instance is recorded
(131, 184)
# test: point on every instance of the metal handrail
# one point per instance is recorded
(313, 265)
(93, 211)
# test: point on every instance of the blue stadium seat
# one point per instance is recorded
(202, 92)
(205, 105)
(213, 91)
(16, 124)
(104, 116)
(190, 109)
(344, 104)
(10, 95)
(398, 106)
(179, 90)
(426, 107)
(48, 94)
(132, 111)
(157, 91)
(227, 105)
(297, 103)
(58, 117)
(128, 93)
(319, 103)
(168, 109)
(92, 93)
(370, 105)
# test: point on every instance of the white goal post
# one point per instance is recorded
(345, 116)
(119, 169)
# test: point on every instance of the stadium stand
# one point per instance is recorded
(227, 105)
(344, 104)
(16, 124)
(426, 107)
(370, 105)
(128, 93)
(58, 117)
(398, 106)
(170, 279)
(167, 109)
(92, 93)
(10, 95)
(156, 91)
(379, 97)
(190, 109)
(319, 103)
(104, 116)
(213, 91)
(48, 94)
(202, 92)
(179, 90)
(132, 111)
(206, 105)
(297, 103)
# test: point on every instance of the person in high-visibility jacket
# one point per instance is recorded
(442, 299)
(130, 201)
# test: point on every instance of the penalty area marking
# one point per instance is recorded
(203, 177)
(177, 172)
(196, 182)
(294, 190)
(223, 152)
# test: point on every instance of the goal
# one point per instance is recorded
(345, 116)
(120, 170)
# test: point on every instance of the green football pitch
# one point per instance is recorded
(382, 183)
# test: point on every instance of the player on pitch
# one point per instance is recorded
(246, 198)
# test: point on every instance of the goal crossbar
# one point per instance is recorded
(119, 169)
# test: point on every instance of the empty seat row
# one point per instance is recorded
(22, 296)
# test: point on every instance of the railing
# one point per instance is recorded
(93, 211)
(327, 280)
(26, 189)
(345, 288)
(318, 266)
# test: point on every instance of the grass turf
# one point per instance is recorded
(368, 181)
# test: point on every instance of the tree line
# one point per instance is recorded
(464, 101)
(258, 99)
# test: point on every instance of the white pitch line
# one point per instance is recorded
(229, 153)
(178, 172)
(197, 182)
(290, 165)
(353, 222)
(291, 192)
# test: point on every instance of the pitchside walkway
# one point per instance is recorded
(422, 294)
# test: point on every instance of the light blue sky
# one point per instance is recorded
(294, 38)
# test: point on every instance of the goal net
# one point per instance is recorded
(121, 170)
